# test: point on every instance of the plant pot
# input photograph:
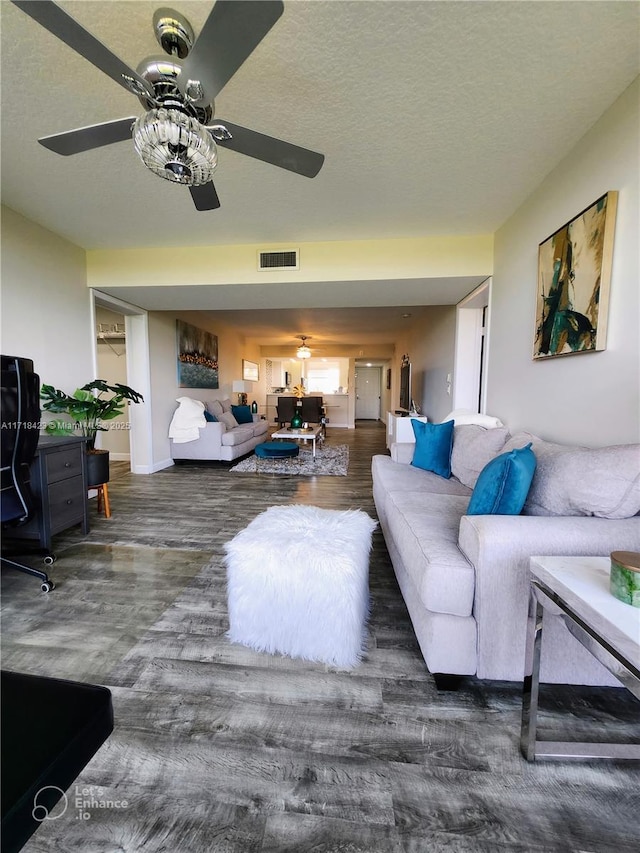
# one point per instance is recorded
(97, 467)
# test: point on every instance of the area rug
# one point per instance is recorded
(332, 461)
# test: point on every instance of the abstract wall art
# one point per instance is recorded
(197, 357)
(574, 276)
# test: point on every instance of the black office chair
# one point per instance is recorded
(20, 432)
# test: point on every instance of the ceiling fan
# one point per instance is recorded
(177, 136)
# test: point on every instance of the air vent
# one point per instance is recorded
(288, 259)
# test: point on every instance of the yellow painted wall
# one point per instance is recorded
(330, 261)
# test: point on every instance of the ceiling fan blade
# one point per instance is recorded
(53, 18)
(270, 150)
(205, 196)
(230, 34)
(86, 138)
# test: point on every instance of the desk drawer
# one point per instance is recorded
(66, 503)
(64, 464)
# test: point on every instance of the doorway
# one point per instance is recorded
(136, 334)
(112, 367)
(368, 390)
(471, 348)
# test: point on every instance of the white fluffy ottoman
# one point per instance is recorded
(298, 583)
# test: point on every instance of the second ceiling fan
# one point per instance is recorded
(176, 138)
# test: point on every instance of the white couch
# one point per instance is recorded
(222, 440)
(465, 579)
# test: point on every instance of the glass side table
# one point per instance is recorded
(608, 628)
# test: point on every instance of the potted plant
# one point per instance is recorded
(87, 409)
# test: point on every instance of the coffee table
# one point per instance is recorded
(312, 433)
(608, 628)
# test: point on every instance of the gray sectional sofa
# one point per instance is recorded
(222, 440)
(465, 579)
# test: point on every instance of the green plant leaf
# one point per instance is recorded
(87, 409)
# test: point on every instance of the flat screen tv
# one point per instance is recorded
(405, 386)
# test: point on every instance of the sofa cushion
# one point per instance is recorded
(226, 405)
(503, 484)
(602, 481)
(570, 480)
(238, 435)
(473, 447)
(215, 407)
(228, 420)
(433, 446)
(424, 528)
(242, 414)
(260, 427)
(396, 476)
(209, 418)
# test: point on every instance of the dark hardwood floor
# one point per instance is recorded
(220, 748)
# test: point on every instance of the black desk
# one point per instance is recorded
(50, 731)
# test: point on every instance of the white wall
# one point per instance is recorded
(46, 306)
(162, 361)
(431, 352)
(164, 373)
(591, 398)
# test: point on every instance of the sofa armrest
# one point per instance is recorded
(208, 446)
(499, 547)
(402, 451)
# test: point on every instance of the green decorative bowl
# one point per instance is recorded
(625, 577)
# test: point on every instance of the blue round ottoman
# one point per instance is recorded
(277, 450)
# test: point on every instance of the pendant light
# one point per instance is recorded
(303, 350)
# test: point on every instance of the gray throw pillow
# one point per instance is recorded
(226, 405)
(215, 407)
(228, 420)
(474, 447)
(570, 480)
(600, 481)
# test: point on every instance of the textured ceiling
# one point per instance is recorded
(435, 118)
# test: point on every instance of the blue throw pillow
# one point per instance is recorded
(209, 418)
(433, 446)
(503, 484)
(242, 414)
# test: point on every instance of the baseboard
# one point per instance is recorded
(119, 457)
(159, 466)
(151, 469)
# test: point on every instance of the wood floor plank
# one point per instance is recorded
(260, 684)
(221, 749)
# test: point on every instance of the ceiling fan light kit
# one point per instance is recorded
(176, 137)
(175, 146)
(303, 350)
